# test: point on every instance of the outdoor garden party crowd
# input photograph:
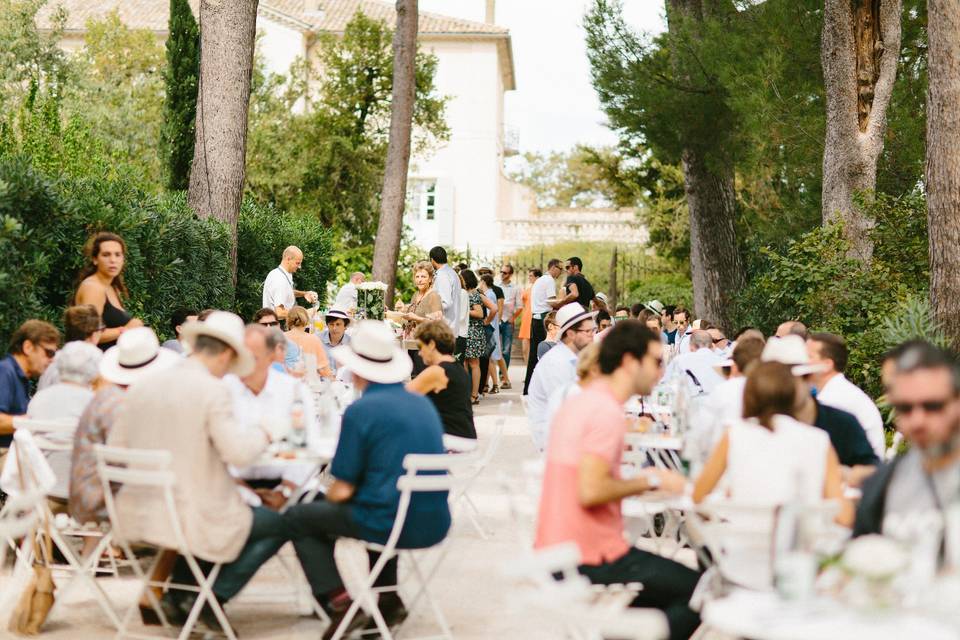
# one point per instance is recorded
(658, 433)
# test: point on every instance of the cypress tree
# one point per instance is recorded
(180, 103)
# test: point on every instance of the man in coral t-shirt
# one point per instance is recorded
(582, 487)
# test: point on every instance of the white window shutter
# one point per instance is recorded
(445, 212)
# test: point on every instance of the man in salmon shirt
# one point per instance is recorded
(582, 487)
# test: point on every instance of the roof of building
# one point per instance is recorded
(332, 17)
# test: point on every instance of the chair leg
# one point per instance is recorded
(424, 590)
(81, 572)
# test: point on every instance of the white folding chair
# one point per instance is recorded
(35, 475)
(149, 471)
(18, 517)
(891, 451)
(408, 484)
(469, 467)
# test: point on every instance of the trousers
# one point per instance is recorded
(667, 585)
(314, 528)
(267, 534)
(506, 340)
(538, 333)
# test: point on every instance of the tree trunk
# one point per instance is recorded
(943, 163)
(227, 34)
(859, 50)
(393, 199)
(715, 264)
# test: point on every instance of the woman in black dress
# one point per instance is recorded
(100, 283)
(444, 380)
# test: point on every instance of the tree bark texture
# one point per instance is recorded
(394, 196)
(715, 264)
(860, 45)
(227, 34)
(943, 163)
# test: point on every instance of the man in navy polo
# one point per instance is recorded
(377, 433)
(32, 348)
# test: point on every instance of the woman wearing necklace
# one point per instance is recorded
(425, 305)
(100, 283)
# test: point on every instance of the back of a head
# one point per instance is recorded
(439, 255)
(921, 355)
(637, 309)
(439, 333)
(627, 337)
(771, 389)
(469, 279)
(203, 315)
(747, 352)
(487, 279)
(701, 339)
(750, 332)
(178, 318)
(588, 360)
(297, 317)
(833, 347)
(537, 273)
(80, 322)
(797, 328)
(78, 362)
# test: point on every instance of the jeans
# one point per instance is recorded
(314, 528)
(538, 333)
(267, 535)
(667, 585)
(506, 340)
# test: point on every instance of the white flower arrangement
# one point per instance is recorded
(874, 557)
(366, 286)
(371, 300)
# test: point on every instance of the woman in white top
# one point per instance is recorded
(463, 324)
(769, 457)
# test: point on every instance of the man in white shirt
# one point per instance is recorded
(278, 291)
(264, 398)
(834, 390)
(543, 289)
(725, 404)
(681, 319)
(558, 367)
(446, 283)
(698, 366)
(347, 296)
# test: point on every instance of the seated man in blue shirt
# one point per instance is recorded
(32, 348)
(377, 432)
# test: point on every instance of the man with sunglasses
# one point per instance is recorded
(32, 348)
(578, 288)
(925, 395)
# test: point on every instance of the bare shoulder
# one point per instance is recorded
(91, 291)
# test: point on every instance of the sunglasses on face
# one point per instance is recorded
(718, 340)
(928, 406)
(505, 273)
(275, 323)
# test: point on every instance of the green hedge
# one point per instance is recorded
(174, 259)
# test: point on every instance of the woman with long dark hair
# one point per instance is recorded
(100, 283)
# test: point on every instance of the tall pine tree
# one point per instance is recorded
(180, 106)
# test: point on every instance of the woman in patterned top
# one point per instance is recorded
(476, 338)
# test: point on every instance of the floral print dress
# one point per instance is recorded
(476, 338)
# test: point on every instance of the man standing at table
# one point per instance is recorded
(446, 283)
(582, 487)
(347, 296)
(543, 290)
(378, 431)
(278, 291)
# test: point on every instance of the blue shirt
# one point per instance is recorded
(14, 392)
(378, 431)
(325, 339)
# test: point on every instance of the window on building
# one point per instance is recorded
(422, 199)
(430, 201)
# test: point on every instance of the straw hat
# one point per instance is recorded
(136, 354)
(228, 328)
(791, 350)
(571, 314)
(655, 306)
(374, 354)
(337, 312)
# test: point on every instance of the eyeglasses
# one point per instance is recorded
(568, 267)
(275, 323)
(506, 273)
(928, 406)
(718, 340)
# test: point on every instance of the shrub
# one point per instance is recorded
(669, 288)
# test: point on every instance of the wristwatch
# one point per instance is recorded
(286, 492)
(653, 481)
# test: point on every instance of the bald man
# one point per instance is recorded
(278, 291)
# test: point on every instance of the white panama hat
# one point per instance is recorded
(791, 350)
(337, 312)
(136, 354)
(374, 354)
(571, 314)
(228, 328)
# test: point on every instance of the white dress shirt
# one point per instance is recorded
(722, 408)
(328, 348)
(512, 300)
(463, 325)
(555, 370)
(840, 393)
(60, 401)
(446, 283)
(278, 290)
(683, 341)
(274, 401)
(347, 297)
(543, 289)
(701, 364)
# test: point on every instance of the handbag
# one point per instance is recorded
(35, 602)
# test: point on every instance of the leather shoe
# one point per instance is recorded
(359, 621)
(393, 611)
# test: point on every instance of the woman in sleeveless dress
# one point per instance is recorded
(100, 283)
(526, 318)
(444, 380)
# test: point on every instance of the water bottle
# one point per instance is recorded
(794, 563)
(298, 432)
